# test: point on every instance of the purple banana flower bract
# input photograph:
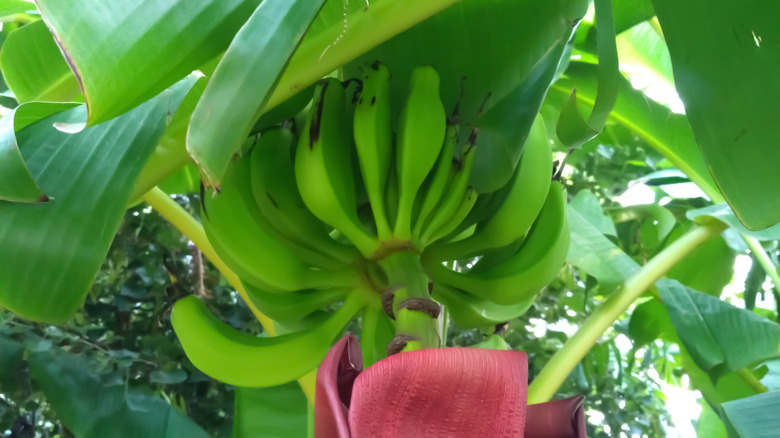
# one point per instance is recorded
(437, 392)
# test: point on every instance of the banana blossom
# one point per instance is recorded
(438, 392)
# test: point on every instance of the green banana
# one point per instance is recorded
(421, 130)
(253, 248)
(373, 141)
(391, 195)
(276, 194)
(515, 215)
(472, 312)
(323, 166)
(376, 332)
(453, 197)
(495, 256)
(241, 359)
(466, 204)
(437, 183)
(292, 306)
(521, 276)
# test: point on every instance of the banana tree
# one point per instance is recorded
(394, 167)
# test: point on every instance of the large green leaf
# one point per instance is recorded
(628, 13)
(34, 68)
(90, 409)
(125, 52)
(642, 51)
(169, 159)
(719, 336)
(16, 182)
(52, 251)
(756, 416)
(274, 412)
(725, 214)
(668, 133)
(11, 352)
(726, 73)
(592, 252)
(708, 268)
(11, 7)
(650, 321)
(242, 82)
(572, 129)
(709, 424)
(496, 60)
(588, 205)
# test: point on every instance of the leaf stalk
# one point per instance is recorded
(566, 359)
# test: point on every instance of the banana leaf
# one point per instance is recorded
(52, 250)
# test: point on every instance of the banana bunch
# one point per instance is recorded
(306, 216)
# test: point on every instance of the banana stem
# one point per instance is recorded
(563, 362)
(184, 222)
(404, 272)
(751, 380)
(763, 259)
(176, 215)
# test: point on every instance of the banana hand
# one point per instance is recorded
(272, 175)
(421, 131)
(453, 197)
(252, 246)
(286, 307)
(522, 275)
(438, 182)
(472, 312)
(526, 194)
(323, 166)
(373, 140)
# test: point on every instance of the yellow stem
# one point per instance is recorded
(750, 379)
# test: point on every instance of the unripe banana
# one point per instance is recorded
(521, 276)
(373, 140)
(237, 358)
(292, 306)
(254, 248)
(472, 312)
(275, 192)
(466, 204)
(495, 256)
(453, 196)
(515, 215)
(437, 183)
(377, 330)
(421, 129)
(323, 166)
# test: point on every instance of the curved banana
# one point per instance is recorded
(273, 185)
(514, 216)
(253, 248)
(466, 204)
(469, 311)
(495, 256)
(453, 196)
(373, 140)
(521, 276)
(323, 166)
(421, 129)
(438, 182)
(292, 306)
(241, 359)
(376, 332)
